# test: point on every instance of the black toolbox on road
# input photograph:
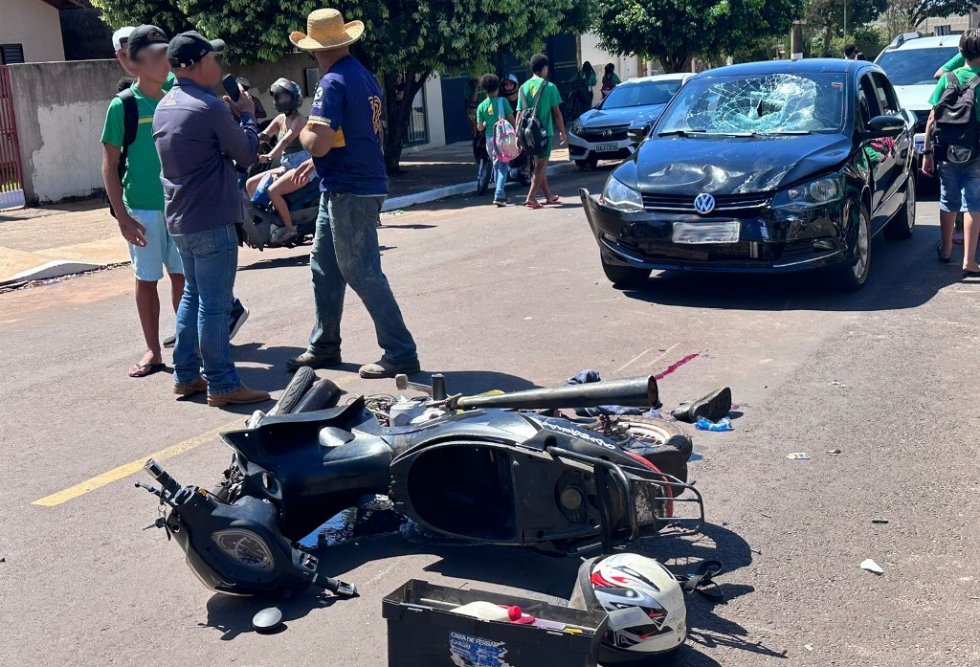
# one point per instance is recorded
(423, 632)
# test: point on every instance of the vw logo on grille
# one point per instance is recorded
(704, 203)
(607, 133)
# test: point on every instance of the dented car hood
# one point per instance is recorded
(730, 165)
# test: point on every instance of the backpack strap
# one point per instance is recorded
(974, 82)
(131, 122)
(537, 96)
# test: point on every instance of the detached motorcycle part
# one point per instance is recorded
(323, 394)
(293, 394)
(237, 548)
(634, 392)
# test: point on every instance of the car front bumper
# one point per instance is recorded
(772, 240)
(583, 149)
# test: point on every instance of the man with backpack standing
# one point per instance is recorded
(488, 116)
(131, 174)
(958, 152)
(538, 104)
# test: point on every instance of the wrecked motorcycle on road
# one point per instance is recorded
(498, 468)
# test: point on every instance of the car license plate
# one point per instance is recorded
(606, 148)
(706, 232)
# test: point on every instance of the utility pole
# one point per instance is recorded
(845, 19)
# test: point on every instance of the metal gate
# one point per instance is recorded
(11, 178)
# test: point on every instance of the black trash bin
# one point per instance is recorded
(423, 632)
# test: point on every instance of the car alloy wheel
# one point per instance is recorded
(862, 250)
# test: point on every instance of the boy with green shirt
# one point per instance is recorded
(491, 110)
(137, 198)
(550, 116)
(959, 182)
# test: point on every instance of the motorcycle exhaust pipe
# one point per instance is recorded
(640, 392)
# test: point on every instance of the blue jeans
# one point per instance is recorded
(499, 172)
(345, 252)
(210, 261)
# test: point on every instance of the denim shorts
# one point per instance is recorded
(293, 160)
(159, 251)
(959, 186)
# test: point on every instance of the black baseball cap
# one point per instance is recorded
(190, 47)
(145, 37)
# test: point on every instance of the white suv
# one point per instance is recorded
(911, 62)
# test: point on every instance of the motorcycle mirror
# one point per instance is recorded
(267, 620)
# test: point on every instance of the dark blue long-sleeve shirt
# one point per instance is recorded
(197, 139)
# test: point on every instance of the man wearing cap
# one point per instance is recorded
(120, 43)
(343, 134)
(199, 141)
(137, 195)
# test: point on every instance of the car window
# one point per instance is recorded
(766, 103)
(887, 100)
(867, 101)
(914, 67)
(641, 94)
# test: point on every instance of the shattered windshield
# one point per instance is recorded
(782, 103)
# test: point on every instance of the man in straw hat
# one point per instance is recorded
(343, 134)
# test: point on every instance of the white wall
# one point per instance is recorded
(35, 25)
(433, 111)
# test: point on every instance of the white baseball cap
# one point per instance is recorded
(121, 36)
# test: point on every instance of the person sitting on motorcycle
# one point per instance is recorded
(286, 126)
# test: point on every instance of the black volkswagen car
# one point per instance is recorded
(763, 167)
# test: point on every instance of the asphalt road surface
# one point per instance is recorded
(510, 299)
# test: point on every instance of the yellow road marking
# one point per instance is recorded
(128, 469)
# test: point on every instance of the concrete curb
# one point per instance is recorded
(54, 269)
(459, 190)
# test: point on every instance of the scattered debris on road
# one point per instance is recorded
(705, 424)
(798, 456)
(871, 566)
(835, 452)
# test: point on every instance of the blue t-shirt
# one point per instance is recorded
(348, 100)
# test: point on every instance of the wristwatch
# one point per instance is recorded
(927, 152)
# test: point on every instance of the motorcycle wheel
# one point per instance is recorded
(656, 432)
(483, 177)
(294, 392)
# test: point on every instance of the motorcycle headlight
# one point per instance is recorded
(619, 196)
(247, 548)
(814, 193)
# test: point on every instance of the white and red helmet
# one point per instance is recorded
(643, 600)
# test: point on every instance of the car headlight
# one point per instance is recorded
(576, 127)
(619, 196)
(813, 193)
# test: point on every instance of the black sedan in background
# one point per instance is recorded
(764, 167)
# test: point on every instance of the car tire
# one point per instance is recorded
(297, 387)
(624, 276)
(902, 225)
(587, 164)
(852, 274)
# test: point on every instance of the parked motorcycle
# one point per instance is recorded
(499, 468)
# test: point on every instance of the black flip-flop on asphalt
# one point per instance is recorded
(939, 253)
(712, 407)
(143, 370)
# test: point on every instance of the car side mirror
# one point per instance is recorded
(885, 126)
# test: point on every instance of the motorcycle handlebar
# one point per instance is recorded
(157, 472)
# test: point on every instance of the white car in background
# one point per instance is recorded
(612, 129)
(911, 62)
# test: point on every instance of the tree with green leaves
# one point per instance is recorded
(827, 18)
(672, 31)
(906, 15)
(413, 38)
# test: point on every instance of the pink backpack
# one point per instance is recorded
(505, 144)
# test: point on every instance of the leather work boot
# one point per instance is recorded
(243, 396)
(314, 361)
(388, 369)
(199, 386)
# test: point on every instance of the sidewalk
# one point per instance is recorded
(61, 239)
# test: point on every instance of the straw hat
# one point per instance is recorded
(326, 29)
